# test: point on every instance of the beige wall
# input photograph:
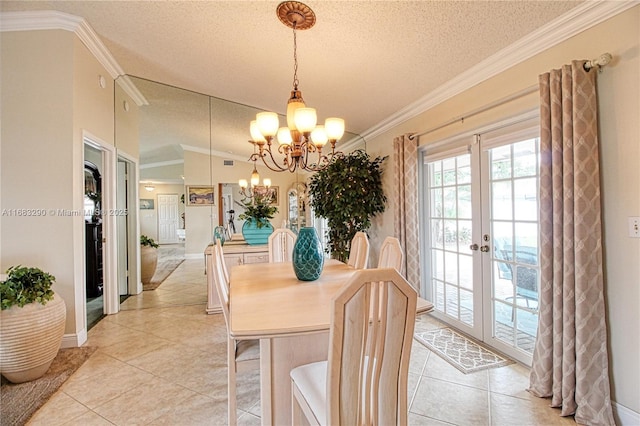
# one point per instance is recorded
(200, 169)
(127, 123)
(619, 101)
(50, 94)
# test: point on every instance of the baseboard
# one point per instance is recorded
(74, 340)
(625, 416)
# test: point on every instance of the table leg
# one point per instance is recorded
(278, 356)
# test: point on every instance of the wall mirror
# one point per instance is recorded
(187, 138)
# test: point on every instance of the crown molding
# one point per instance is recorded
(54, 20)
(581, 18)
(124, 81)
(38, 20)
(213, 152)
(161, 164)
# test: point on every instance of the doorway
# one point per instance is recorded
(482, 270)
(94, 264)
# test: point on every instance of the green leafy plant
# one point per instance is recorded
(259, 208)
(146, 241)
(348, 193)
(26, 285)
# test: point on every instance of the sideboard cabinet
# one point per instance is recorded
(234, 254)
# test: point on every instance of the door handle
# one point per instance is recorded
(484, 248)
(473, 247)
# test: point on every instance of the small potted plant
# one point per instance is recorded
(258, 211)
(148, 258)
(31, 323)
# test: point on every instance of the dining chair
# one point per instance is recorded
(364, 381)
(391, 254)
(219, 253)
(281, 243)
(359, 251)
(242, 355)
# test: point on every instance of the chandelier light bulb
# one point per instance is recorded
(284, 136)
(305, 119)
(243, 183)
(255, 177)
(268, 123)
(319, 136)
(266, 182)
(334, 127)
(256, 136)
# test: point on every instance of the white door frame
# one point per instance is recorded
(133, 223)
(110, 254)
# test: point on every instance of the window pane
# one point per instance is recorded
(501, 200)
(525, 158)
(526, 199)
(500, 162)
(464, 201)
(464, 169)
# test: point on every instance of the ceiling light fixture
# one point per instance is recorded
(301, 137)
(149, 187)
(256, 191)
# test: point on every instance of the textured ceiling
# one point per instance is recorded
(363, 60)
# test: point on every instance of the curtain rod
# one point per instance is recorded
(600, 61)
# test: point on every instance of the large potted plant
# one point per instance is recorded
(348, 193)
(31, 323)
(258, 211)
(148, 258)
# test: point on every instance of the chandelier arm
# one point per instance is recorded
(275, 163)
(275, 167)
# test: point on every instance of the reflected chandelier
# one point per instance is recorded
(302, 137)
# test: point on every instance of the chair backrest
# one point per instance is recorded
(368, 365)
(223, 264)
(222, 285)
(359, 251)
(391, 254)
(281, 243)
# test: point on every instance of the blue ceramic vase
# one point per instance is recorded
(308, 259)
(254, 235)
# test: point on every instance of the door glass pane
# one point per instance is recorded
(450, 215)
(513, 222)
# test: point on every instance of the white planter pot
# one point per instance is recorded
(30, 337)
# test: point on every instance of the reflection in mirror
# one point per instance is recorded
(230, 202)
(187, 138)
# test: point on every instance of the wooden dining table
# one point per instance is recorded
(291, 319)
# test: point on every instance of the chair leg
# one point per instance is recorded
(231, 382)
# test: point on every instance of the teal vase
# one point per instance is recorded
(218, 234)
(254, 235)
(308, 259)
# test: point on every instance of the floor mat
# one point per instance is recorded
(459, 351)
(163, 270)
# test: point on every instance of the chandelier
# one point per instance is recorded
(256, 193)
(301, 139)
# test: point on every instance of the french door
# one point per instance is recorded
(481, 237)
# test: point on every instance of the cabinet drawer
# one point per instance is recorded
(232, 260)
(262, 257)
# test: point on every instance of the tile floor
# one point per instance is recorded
(161, 361)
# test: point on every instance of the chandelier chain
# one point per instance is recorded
(295, 58)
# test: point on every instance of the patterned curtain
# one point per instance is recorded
(405, 202)
(570, 359)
